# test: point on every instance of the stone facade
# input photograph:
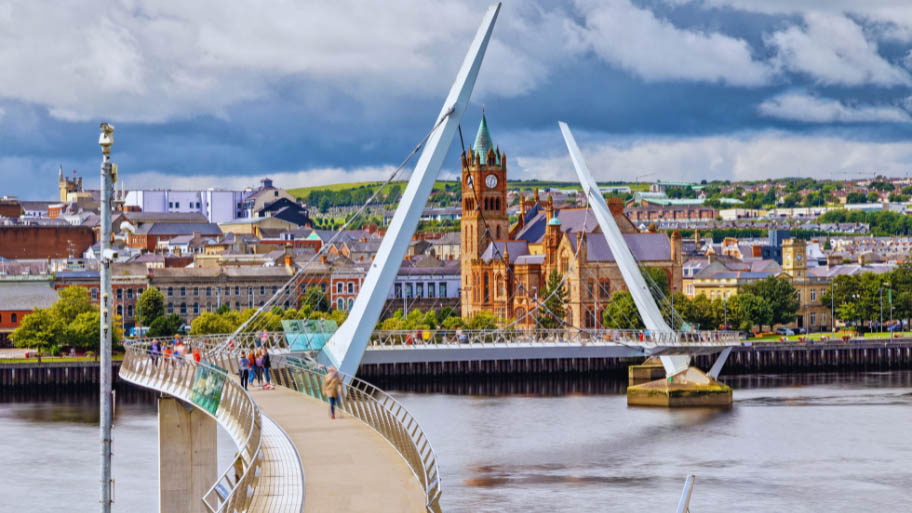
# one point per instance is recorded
(504, 267)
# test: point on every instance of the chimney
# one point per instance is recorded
(288, 262)
(323, 258)
(616, 206)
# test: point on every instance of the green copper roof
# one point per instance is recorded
(554, 221)
(483, 141)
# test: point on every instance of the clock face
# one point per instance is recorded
(491, 181)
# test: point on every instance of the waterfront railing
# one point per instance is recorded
(381, 412)
(214, 392)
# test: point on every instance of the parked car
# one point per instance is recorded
(784, 331)
(746, 334)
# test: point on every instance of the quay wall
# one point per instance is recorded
(760, 357)
(52, 373)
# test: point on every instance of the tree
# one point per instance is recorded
(151, 306)
(165, 326)
(745, 310)
(621, 312)
(553, 310)
(73, 301)
(699, 312)
(210, 323)
(483, 320)
(41, 330)
(85, 331)
(316, 299)
(779, 294)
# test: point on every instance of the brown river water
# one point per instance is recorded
(796, 443)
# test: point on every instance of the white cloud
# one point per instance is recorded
(753, 156)
(834, 50)
(164, 60)
(812, 109)
(636, 40)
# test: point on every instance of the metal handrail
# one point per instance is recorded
(237, 412)
(381, 412)
(400, 339)
(644, 338)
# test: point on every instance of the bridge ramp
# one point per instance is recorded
(347, 466)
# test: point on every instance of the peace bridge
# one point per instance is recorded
(292, 457)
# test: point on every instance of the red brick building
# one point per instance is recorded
(37, 241)
(20, 298)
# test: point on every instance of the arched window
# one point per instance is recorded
(119, 293)
(339, 287)
(183, 291)
(487, 288)
(183, 309)
(520, 312)
(350, 303)
(590, 318)
(498, 279)
(351, 287)
(340, 303)
(590, 289)
(120, 310)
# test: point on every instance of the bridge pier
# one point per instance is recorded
(187, 456)
(690, 387)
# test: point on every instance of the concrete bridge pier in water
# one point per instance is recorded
(187, 455)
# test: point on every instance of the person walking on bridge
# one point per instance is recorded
(243, 369)
(332, 388)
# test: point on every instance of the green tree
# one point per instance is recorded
(483, 320)
(40, 330)
(73, 301)
(209, 323)
(779, 294)
(85, 331)
(165, 326)
(745, 310)
(621, 312)
(151, 306)
(555, 302)
(316, 299)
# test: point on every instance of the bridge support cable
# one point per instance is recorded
(346, 347)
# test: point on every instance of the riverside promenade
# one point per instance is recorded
(347, 466)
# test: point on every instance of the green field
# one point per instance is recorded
(831, 336)
(57, 359)
(302, 192)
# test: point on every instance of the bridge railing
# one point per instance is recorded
(404, 338)
(376, 408)
(234, 410)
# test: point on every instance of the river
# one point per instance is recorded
(797, 443)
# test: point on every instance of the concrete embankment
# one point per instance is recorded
(50, 373)
(769, 357)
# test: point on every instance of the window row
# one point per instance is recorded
(417, 289)
(219, 291)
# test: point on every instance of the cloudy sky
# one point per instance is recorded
(218, 94)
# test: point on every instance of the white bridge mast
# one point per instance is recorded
(630, 270)
(346, 347)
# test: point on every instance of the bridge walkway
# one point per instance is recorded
(347, 466)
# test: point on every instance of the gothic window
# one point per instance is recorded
(487, 291)
(590, 318)
(498, 232)
(605, 289)
(590, 286)
(500, 286)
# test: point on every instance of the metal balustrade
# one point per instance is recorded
(237, 413)
(385, 415)
(400, 339)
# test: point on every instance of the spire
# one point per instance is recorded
(483, 142)
(60, 173)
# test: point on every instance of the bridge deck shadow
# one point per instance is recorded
(347, 466)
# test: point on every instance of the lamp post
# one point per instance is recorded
(108, 177)
(890, 300)
(833, 306)
(880, 326)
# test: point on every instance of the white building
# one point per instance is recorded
(218, 205)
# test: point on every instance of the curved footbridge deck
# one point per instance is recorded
(291, 456)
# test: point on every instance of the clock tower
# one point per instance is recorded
(484, 204)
